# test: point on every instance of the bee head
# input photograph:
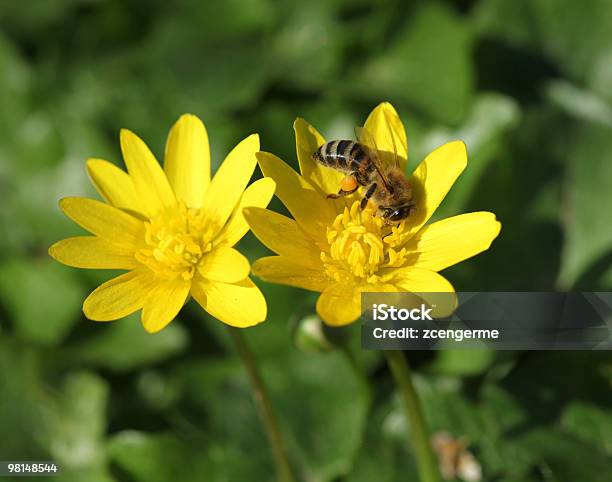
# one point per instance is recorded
(396, 213)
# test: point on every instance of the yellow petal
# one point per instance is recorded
(105, 221)
(389, 133)
(307, 141)
(433, 178)
(283, 236)
(92, 252)
(308, 207)
(229, 183)
(432, 287)
(418, 280)
(284, 271)
(187, 160)
(224, 264)
(163, 304)
(119, 297)
(450, 241)
(339, 304)
(257, 194)
(149, 179)
(114, 185)
(240, 304)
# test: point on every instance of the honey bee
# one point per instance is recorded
(385, 182)
(455, 460)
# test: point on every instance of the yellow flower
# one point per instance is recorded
(333, 247)
(173, 230)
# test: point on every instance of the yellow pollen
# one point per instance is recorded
(360, 247)
(175, 243)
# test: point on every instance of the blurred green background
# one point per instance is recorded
(526, 83)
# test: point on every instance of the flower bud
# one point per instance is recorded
(309, 334)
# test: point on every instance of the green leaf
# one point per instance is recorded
(484, 424)
(321, 406)
(308, 46)
(512, 21)
(447, 410)
(124, 345)
(502, 408)
(588, 201)
(384, 456)
(462, 362)
(43, 298)
(20, 414)
(578, 37)
(606, 280)
(34, 196)
(66, 425)
(152, 457)
(75, 428)
(580, 103)
(219, 76)
(328, 442)
(590, 424)
(233, 18)
(405, 71)
(163, 456)
(15, 84)
(574, 35)
(486, 133)
(566, 459)
(41, 15)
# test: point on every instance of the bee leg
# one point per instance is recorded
(349, 186)
(341, 193)
(391, 232)
(368, 195)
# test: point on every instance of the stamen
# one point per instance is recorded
(360, 246)
(175, 243)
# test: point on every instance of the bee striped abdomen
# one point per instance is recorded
(346, 156)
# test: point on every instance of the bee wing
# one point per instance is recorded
(365, 137)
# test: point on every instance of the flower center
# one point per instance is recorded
(174, 243)
(361, 246)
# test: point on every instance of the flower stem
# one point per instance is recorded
(426, 460)
(266, 412)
